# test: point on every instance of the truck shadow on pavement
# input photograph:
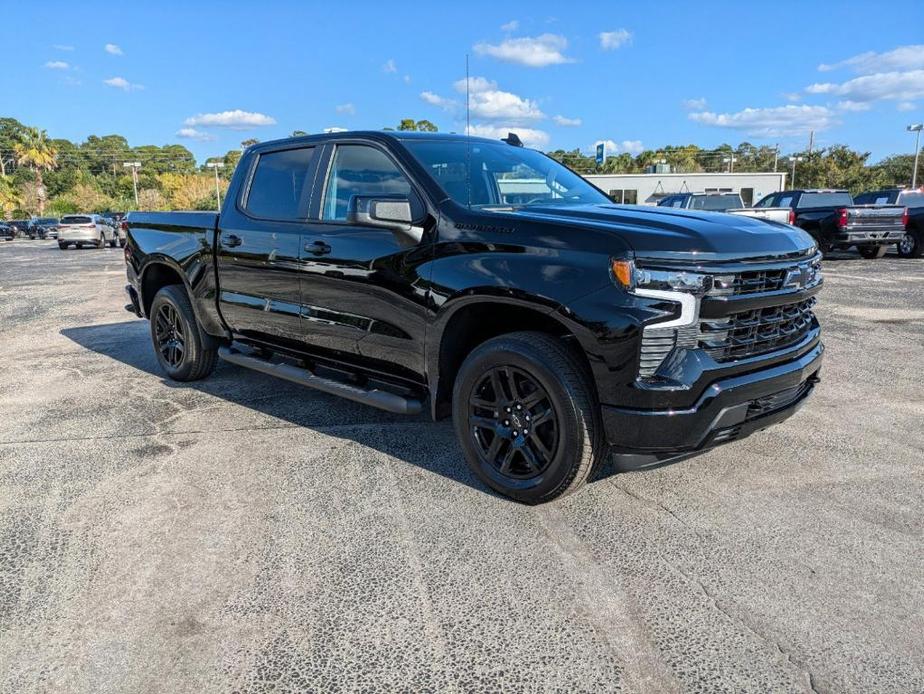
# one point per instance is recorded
(418, 440)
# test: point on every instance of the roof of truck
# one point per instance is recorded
(397, 135)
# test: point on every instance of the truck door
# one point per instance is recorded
(259, 247)
(361, 289)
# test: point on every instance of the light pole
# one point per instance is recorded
(731, 163)
(916, 128)
(134, 166)
(792, 181)
(215, 165)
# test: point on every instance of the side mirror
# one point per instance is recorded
(394, 213)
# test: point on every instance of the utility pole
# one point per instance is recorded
(134, 166)
(731, 163)
(215, 165)
(792, 182)
(916, 128)
(811, 141)
(776, 156)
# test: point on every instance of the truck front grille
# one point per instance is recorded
(756, 332)
(748, 282)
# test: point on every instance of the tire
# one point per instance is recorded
(112, 242)
(178, 342)
(62, 246)
(101, 242)
(912, 245)
(543, 459)
(872, 252)
(78, 246)
(121, 243)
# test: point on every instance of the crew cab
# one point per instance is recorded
(912, 243)
(835, 221)
(387, 268)
(723, 202)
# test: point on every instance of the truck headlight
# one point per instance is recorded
(677, 286)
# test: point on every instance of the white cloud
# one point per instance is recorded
(348, 108)
(236, 120)
(122, 83)
(539, 51)
(112, 49)
(57, 65)
(901, 86)
(632, 146)
(390, 66)
(487, 101)
(62, 47)
(407, 79)
(611, 40)
(901, 58)
(512, 25)
(853, 106)
(567, 122)
(792, 96)
(770, 122)
(437, 100)
(193, 134)
(695, 104)
(335, 129)
(905, 106)
(530, 136)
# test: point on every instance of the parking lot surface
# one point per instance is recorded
(241, 533)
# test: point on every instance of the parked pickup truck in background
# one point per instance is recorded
(387, 268)
(835, 221)
(723, 202)
(912, 243)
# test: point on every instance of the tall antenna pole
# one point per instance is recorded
(468, 119)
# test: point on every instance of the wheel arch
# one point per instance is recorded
(471, 322)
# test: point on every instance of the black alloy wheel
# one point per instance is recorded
(169, 335)
(513, 423)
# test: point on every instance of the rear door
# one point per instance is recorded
(362, 291)
(259, 246)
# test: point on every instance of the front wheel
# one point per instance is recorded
(872, 252)
(101, 242)
(112, 242)
(911, 245)
(178, 343)
(526, 417)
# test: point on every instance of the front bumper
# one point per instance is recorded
(729, 409)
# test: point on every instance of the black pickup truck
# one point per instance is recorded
(912, 244)
(393, 269)
(836, 222)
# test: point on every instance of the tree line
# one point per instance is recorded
(40, 175)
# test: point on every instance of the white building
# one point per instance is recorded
(647, 189)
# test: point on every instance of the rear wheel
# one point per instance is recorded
(526, 417)
(101, 242)
(872, 252)
(911, 245)
(112, 242)
(62, 246)
(178, 342)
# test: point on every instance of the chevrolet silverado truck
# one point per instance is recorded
(836, 222)
(912, 243)
(387, 268)
(723, 202)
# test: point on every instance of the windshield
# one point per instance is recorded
(912, 199)
(501, 175)
(46, 220)
(716, 203)
(76, 220)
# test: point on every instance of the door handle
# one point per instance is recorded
(317, 248)
(231, 240)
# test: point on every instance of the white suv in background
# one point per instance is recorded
(85, 229)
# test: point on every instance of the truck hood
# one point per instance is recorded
(658, 232)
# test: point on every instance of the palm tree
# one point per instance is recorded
(9, 198)
(35, 151)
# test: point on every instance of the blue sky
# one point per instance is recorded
(635, 74)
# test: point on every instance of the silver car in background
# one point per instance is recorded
(85, 230)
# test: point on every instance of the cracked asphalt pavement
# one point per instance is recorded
(245, 534)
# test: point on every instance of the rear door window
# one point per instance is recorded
(281, 186)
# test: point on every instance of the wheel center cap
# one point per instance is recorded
(516, 421)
